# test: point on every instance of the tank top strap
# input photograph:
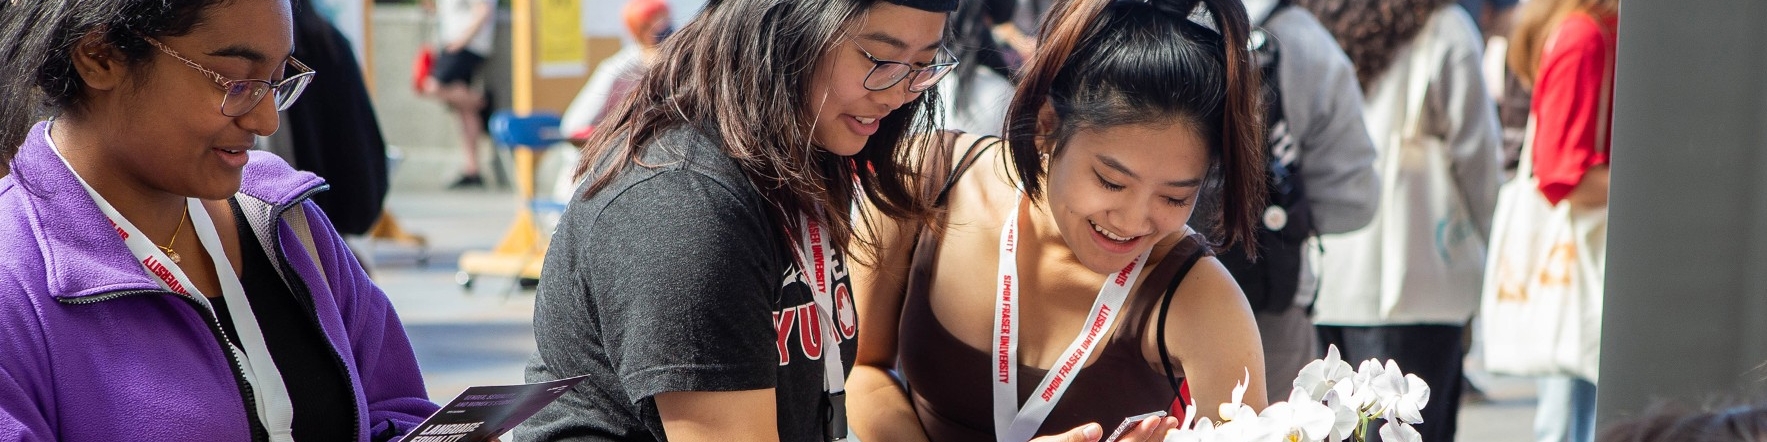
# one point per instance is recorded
(923, 259)
(1153, 287)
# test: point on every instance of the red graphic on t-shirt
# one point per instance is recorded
(807, 319)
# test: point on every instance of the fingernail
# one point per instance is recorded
(1092, 431)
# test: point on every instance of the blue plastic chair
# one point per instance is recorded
(533, 133)
(538, 130)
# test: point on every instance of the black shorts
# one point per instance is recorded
(456, 67)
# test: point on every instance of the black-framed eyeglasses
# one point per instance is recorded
(886, 74)
(240, 96)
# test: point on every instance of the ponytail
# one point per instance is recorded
(1242, 123)
(1107, 63)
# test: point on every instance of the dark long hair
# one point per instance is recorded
(37, 40)
(741, 69)
(1105, 63)
(1372, 32)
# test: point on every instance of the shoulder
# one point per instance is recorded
(677, 203)
(1302, 36)
(1580, 33)
(1311, 62)
(1206, 283)
(1455, 30)
(268, 177)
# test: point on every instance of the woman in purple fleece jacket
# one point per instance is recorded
(157, 280)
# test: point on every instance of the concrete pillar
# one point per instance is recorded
(1686, 302)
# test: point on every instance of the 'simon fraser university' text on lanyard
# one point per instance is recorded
(1014, 424)
(274, 409)
(816, 262)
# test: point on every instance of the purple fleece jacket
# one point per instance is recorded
(91, 349)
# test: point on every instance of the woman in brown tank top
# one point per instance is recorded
(1061, 288)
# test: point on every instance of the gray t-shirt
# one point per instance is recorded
(678, 278)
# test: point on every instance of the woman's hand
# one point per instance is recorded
(1591, 192)
(1083, 433)
(1152, 429)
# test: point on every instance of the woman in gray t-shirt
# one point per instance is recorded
(698, 280)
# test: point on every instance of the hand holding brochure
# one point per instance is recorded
(481, 414)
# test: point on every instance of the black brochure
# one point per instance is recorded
(481, 414)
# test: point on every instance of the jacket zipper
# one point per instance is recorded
(246, 395)
(305, 295)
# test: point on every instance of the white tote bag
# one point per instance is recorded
(1422, 258)
(1541, 304)
(1428, 237)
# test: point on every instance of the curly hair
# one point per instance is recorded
(1372, 32)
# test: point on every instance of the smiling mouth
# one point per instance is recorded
(1111, 236)
(864, 120)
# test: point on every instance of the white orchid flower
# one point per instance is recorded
(1397, 401)
(1388, 386)
(1363, 395)
(1324, 375)
(1245, 428)
(1203, 432)
(1406, 406)
(1236, 410)
(1399, 432)
(1189, 414)
(1344, 417)
(1300, 414)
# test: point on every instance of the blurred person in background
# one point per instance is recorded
(977, 92)
(332, 131)
(1323, 180)
(1565, 50)
(466, 32)
(647, 22)
(1405, 286)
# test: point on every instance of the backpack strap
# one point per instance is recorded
(297, 221)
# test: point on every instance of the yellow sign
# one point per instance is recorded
(560, 35)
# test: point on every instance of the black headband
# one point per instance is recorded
(928, 5)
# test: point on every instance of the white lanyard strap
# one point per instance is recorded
(1014, 424)
(275, 411)
(816, 261)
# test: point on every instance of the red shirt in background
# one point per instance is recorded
(1567, 98)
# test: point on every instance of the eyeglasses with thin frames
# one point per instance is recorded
(240, 96)
(886, 74)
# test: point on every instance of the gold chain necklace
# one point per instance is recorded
(168, 247)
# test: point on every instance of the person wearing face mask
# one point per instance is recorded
(160, 280)
(700, 279)
(1060, 287)
(647, 22)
